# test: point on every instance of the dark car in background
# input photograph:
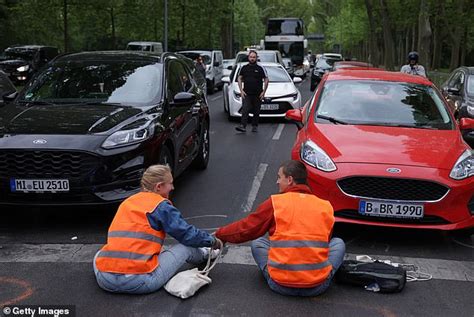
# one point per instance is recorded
(83, 131)
(21, 62)
(459, 92)
(324, 65)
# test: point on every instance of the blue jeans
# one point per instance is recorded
(170, 260)
(260, 248)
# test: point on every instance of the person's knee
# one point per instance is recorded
(337, 243)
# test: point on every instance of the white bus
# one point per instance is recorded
(287, 36)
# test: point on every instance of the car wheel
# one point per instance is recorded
(202, 159)
(166, 158)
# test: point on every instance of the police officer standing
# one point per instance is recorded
(253, 82)
(413, 67)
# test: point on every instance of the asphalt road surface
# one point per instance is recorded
(46, 254)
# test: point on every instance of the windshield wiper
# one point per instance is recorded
(37, 102)
(101, 103)
(331, 119)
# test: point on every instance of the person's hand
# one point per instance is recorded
(243, 94)
(218, 244)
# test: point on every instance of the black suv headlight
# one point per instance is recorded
(128, 137)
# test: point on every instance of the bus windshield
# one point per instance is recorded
(285, 27)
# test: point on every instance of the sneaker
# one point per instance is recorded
(206, 250)
(254, 129)
(241, 128)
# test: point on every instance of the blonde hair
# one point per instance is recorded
(153, 175)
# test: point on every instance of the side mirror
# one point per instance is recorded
(453, 91)
(295, 116)
(10, 96)
(230, 67)
(465, 124)
(226, 79)
(216, 64)
(297, 80)
(184, 98)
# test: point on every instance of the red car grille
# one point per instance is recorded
(392, 188)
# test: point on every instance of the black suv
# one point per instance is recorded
(84, 130)
(323, 66)
(21, 62)
(459, 92)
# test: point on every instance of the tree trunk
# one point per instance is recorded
(372, 58)
(389, 46)
(66, 47)
(424, 34)
(437, 38)
(456, 37)
(112, 22)
(183, 22)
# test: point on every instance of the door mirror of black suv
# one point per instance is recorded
(10, 96)
(184, 98)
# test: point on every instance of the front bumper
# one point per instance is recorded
(284, 104)
(451, 212)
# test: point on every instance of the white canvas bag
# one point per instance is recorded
(186, 283)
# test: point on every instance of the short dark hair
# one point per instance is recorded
(295, 169)
(253, 51)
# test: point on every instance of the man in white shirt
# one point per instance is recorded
(413, 67)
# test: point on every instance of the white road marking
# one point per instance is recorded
(215, 98)
(277, 134)
(257, 181)
(234, 254)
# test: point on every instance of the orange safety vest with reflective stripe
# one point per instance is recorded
(299, 247)
(132, 244)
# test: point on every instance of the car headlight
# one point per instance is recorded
(236, 95)
(464, 166)
(316, 157)
(295, 96)
(128, 137)
(23, 68)
(470, 109)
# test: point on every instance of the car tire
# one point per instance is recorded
(202, 159)
(166, 158)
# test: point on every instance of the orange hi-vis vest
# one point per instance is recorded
(299, 247)
(132, 244)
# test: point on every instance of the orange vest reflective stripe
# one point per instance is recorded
(299, 247)
(132, 245)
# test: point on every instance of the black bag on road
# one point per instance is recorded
(388, 278)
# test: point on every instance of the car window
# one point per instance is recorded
(383, 103)
(178, 79)
(325, 62)
(470, 85)
(455, 81)
(124, 82)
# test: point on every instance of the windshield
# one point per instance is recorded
(228, 62)
(285, 27)
(20, 54)
(124, 82)
(194, 55)
(325, 62)
(470, 85)
(137, 47)
(383, 103)
(261, 56)
(291, 50)
(275, 74)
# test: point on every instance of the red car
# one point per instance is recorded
(385, 150)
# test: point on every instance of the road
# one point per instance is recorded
(46, 254)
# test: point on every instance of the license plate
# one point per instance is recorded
(390, 209)
(39, 185)
(269, 106)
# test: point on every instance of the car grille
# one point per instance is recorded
(426, 220)
(392, 188)
(46, 164)
(8, 68)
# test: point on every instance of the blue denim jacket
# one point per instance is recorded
(168, 218)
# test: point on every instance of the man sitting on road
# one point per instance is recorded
(299, 258)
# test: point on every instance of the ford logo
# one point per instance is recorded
(40, 141)
(394, 170)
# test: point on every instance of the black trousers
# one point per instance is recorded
(251, 103)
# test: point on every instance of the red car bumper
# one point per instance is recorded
(453, 210)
